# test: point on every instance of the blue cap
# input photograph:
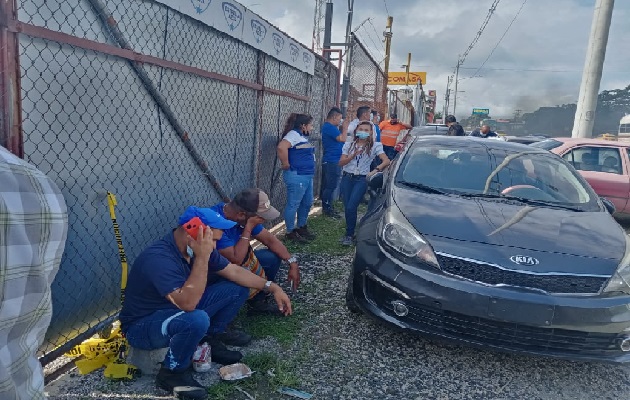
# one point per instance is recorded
(208, 216)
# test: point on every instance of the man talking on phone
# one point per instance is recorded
(173, 300)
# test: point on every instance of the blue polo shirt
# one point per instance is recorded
(233, 235)
(332, 147)
(159, 270)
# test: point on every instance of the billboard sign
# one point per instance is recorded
(481, 111)
(432, 93)
(399, 78)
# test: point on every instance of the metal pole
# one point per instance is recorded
(592, 74)
(346, 74)
(328, 28)
(407, 69)
(388, 43)
(11, 134)
(456, 80)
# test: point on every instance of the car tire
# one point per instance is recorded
(350, 303)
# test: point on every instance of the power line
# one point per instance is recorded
(386, 9)
(472, 44)
(499, 42)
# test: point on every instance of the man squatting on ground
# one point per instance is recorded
(181, 292)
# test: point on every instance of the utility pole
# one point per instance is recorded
(447, 96)
(346, 73)
(388, 43)
(328, 28)
(592, 74)
(459, 63)
(407, 67)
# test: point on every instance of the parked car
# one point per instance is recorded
(529, 139)
(426, 130)
(605, 165)
(494, 244)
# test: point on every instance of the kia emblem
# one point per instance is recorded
(524, 260)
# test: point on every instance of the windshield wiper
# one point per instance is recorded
(520, 200)
(422, 187)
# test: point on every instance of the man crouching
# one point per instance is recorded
(173, 300)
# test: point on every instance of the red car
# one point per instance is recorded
(604, 164)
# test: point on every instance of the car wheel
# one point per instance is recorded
(350, 303)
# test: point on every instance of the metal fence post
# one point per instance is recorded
(10, 91)
(260, 103)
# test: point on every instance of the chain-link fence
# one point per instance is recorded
(368, 84)
(138, 99)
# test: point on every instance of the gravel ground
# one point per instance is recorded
(339, 355)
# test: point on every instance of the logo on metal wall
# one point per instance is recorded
(201, 5)
(295, 52)
(232, 14)
(307, 58)
(524, 260)
(278, 42)
(259, 30)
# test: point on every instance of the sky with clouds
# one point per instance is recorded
(548, 35)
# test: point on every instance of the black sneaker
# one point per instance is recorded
(332, 214)
(221, 355)
(181, 384)
(295, 237)
(233, 337)
(262, 307)
(305, 233)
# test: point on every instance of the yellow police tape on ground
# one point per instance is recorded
(110, 352)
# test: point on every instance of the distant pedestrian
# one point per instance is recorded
(390, 131)
(332, 142)
(376, 120)
(33, 231)
(297, 155)
(363, 114)
(483, 132)
(454, 128)
(355, 160)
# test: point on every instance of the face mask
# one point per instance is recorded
(189, 251)
(341, 121)
(363, 135)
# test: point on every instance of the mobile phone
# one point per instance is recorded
(192, 227)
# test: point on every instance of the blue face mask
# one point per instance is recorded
(189, 251)
(363, 135)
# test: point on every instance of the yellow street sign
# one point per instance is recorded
(399, 78)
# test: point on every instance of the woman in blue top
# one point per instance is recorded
(297, 155)
(356, 158)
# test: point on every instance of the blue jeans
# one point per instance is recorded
(330, 178)
(299, 198)
(353, 189)
(271, 263)
(390, 152)
(181, 331)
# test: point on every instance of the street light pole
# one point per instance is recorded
(456, 81)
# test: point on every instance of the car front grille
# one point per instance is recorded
(501, 334)
(495, 276)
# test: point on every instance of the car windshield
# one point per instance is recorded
(483, 171)
(547, 144)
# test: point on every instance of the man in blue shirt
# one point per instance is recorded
(332, 142)
(249, 209)
(169, 301)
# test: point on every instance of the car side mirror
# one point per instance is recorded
(375, 182)
(610, 207)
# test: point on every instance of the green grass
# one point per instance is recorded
(284, 329)
(270, 373)
(329, 232)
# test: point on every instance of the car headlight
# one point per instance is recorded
(401, 239)
(620, 281)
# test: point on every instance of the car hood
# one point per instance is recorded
(540, 229)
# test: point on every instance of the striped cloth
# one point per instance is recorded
(33, 230)
(251, 263)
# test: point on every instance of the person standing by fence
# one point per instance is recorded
(297, 156)
(33, 231)
(390, 131)
(332, 142)
(355, 160)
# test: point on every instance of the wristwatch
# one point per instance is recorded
(292, 260)
(267, 286)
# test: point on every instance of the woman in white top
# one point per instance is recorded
(356, 158)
